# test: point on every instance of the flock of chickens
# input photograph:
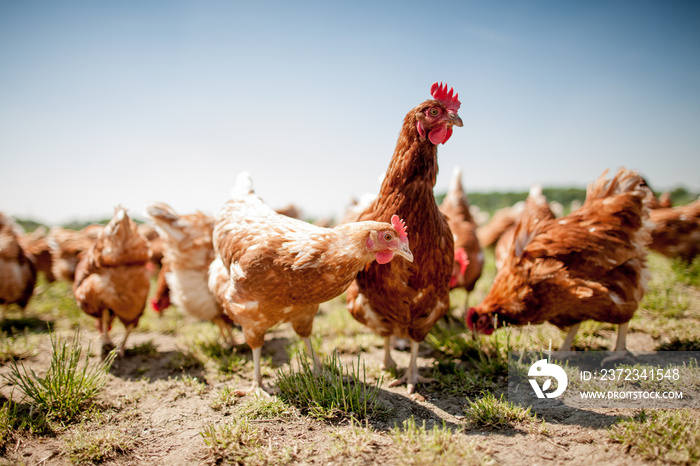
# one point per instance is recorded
(397, 259)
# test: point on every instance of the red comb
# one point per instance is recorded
(400, 226)
(440, 93)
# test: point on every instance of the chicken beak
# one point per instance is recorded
(454, 119)
(405, 252)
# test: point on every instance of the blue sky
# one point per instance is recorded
(106, 103)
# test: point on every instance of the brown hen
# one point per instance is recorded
(403, 299)
(271, 268)
(112, 279)
(588, 265)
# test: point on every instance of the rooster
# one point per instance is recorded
(676, 231)
(403, 299)
(17, 272)
(271, 268)
(188, 254)
(535, 209)
(112, 278)
(590, 264)
(469, 259)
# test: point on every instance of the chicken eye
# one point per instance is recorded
(433, 112)
(388, 237)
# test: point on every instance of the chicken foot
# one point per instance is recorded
(258, 388)
(411, 376)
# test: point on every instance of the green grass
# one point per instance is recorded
(16, 418)
(667, 437)
(339, 392)
(86, 446)
(455, 379)
(17, 346)
(146, 349)
(70, 383)
(680, 344)
(490, 412)
(56, 303)
(353, 445)
(224, 398)
(688, 274)
(239, 442)
(418, 445)
(264, 408)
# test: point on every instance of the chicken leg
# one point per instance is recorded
(127, 331)
(389, 362)
(566, 346)
(411, 377)
(257, 387)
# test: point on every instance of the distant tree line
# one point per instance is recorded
(486, 201)
(495, 200)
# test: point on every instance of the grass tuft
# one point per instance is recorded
(452, 378)
(687, 273)
(85, 447)
(70, 383)
(339, 392)
(439, 445)
(16, 346)
(668, 437)
(239, 442)
(495, 413)
(224, 398)
(264, 408)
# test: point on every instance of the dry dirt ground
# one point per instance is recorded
(162, 400)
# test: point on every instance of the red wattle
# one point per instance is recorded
(384, 257)
(438, 135)
(449, 134)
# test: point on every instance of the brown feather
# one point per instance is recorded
(112, 275)
(17, 272)
(587, 265)
(455, 208)
(401, 298)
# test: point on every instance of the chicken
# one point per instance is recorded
(590, 264)
(17, 272)
(676, 231)
(112, 279)
(664, 201)
(489, 233)
(37, 246)
(469, 259)
(156, 244)
(188, 254)
(402, 299)
(66, 245)
(160, 300)
(271, 268)
(290, 211)
(536, 209)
